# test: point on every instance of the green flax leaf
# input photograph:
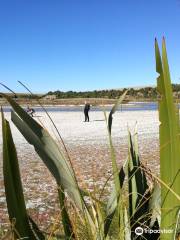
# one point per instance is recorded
(169, 143)
(13, 187)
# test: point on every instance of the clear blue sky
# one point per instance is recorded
(86, 44)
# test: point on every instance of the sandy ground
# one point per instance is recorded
(87, 143)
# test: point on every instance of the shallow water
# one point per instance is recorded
(135, 106)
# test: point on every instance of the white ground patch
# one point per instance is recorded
(73, 129)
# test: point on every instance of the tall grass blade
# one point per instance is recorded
(113, 156)
(47, 149)
(177, 227)
(118, 176)
(139, 192)
(169, 143)
(15, 96)
(155, 205)
(68, 229)
(136, 176)
(127, 228)
(13, 187)
(114, 109)
(50, 153)
(112, 202)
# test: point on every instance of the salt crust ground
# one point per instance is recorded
(87, 143)
(73, 129)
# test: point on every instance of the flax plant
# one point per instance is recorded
(139, 199)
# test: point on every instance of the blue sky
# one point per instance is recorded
(86, 44)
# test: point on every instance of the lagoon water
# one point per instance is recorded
(131, 106)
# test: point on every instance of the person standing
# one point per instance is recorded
(86, 111)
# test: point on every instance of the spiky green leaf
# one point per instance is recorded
(13, 187)
(169, 143)
(112, 201)
(50, 153)
(155, 205)
(114, 109)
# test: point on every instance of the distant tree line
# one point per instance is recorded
(146, 92)
(88, 94)
(23, 96)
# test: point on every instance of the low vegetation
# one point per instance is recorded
(146, 93)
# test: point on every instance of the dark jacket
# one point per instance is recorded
(86, 107)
